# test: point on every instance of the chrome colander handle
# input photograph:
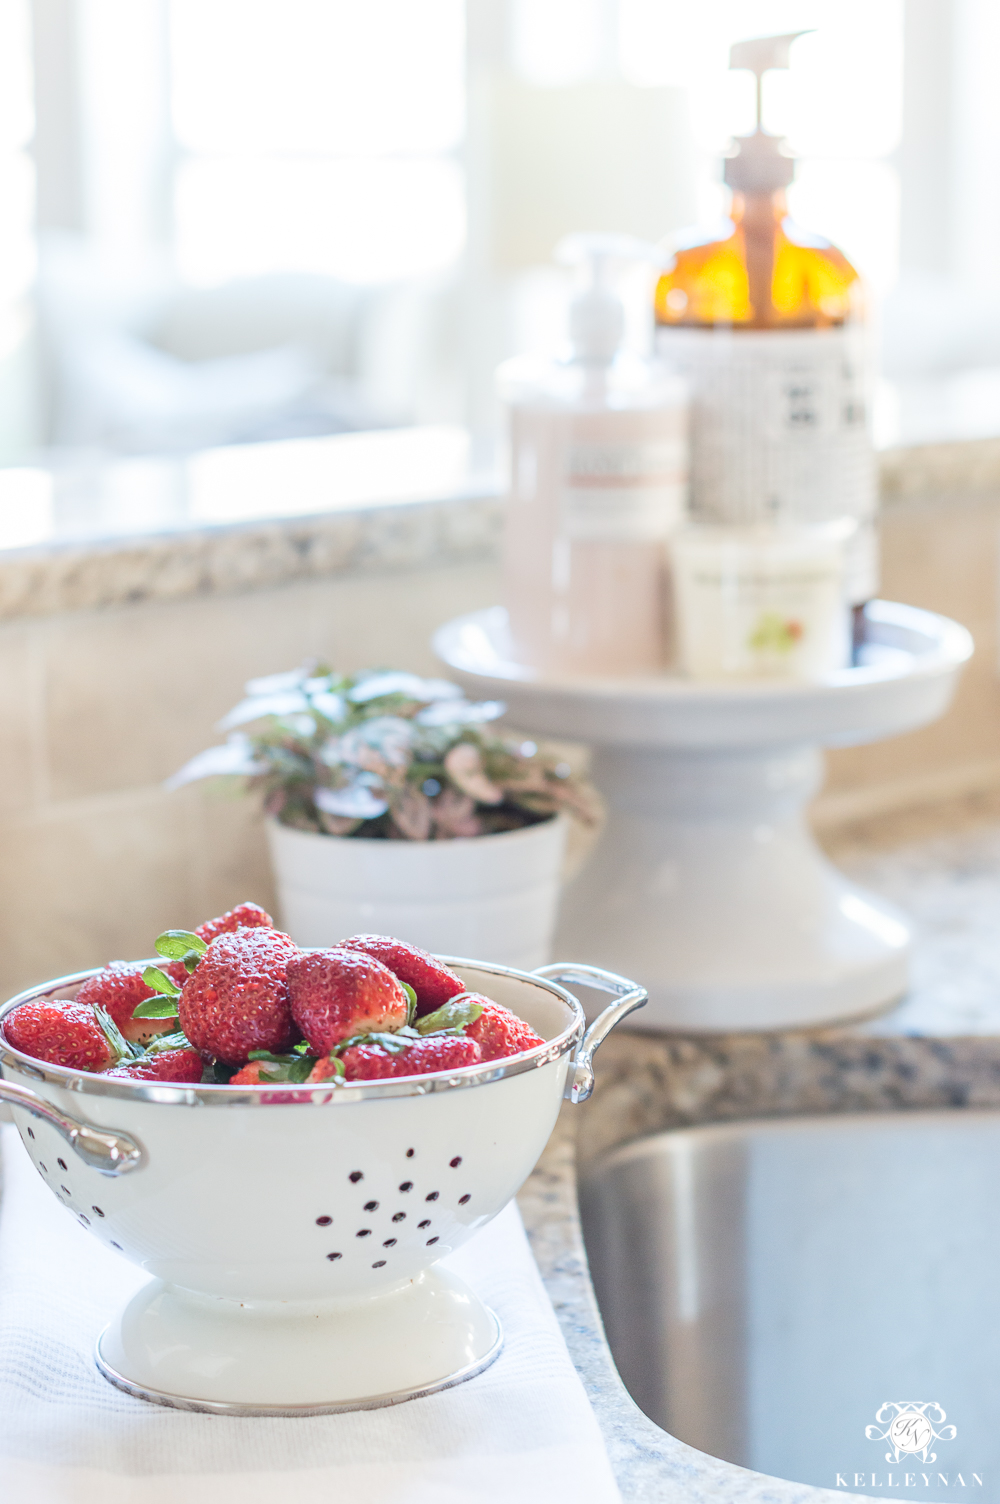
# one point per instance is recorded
(110, 1152)
(630, 996)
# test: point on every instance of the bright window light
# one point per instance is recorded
(362, 220)
(338, 77)
(17, 173)
(319, 136)
(17, 120)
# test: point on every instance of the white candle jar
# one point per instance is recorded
(765, 602)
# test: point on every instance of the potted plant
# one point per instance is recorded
(393, 808)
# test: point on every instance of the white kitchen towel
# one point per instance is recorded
(520, 1433)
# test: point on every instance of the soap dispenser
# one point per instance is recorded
(766, 322)
(597, 484)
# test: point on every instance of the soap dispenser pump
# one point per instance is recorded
(597, 483)
(766, 322)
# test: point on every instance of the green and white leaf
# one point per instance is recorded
(452, 1018)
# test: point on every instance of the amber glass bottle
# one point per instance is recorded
(766, 322)
(765, 273)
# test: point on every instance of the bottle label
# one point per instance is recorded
(780, 430)
(629, 492)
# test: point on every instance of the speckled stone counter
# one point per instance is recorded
(938, 1048)
(89, 533)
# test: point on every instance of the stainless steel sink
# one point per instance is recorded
(767, 1286)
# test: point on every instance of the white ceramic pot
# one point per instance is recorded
(293, 1232)
(481, 895)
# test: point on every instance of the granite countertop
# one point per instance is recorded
(88, 533)
(938, 1048)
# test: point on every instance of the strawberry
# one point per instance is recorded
(329, 1068)
(337, 993)
(421, 1057)
(61, 1033)
(248, 1076)
(433, 983)
(236, 1000)
(163, 1065)
(119, 989)
(244, 916)
(498, 1031)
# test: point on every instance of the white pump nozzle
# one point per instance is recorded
(759, 165)
(597, 315)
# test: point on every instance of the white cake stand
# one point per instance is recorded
(706, 883)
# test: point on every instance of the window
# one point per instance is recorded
(317, 136)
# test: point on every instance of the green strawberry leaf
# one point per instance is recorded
(160, 982)
(156, 1007)
(452, 1017)
(175, 1041)
(181, 945)
(121, 1046)
(283, 1067)
(393, 1044)
(412, 1010)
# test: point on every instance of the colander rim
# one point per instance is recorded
(87, 1083)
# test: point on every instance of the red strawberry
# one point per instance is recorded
(61, 1033)
(248, 1076)
(433, 983)
(498, 1031)
(119, 988)
(237, 998)
(337, 993)
(327, 1070)
(163, 1065)
(244, 916)
(441, 1052)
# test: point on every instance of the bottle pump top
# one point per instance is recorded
(759, 165)
(597, 314)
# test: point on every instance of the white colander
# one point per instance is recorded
(293, 1233)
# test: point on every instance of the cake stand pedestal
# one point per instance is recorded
(706, 883)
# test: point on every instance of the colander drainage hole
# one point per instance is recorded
(379, 1264)
(463, 1199)
(430, 1241)
(62, 1164)
(363, 1232)
(66, 1190)
(432, 1197)
(371, 1206)
(83, 1219)
(333, 1256)
(407, 1185)
(355, 1176)
(409, 1153)
(43, 1168)
(31, 1132)
(323, 1221)
(425, 1223)
(456, 1161)
(389, 1243)
(399, 1217)
(116, 1245)
(97, 1209)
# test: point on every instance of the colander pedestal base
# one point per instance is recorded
(199, 1352)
